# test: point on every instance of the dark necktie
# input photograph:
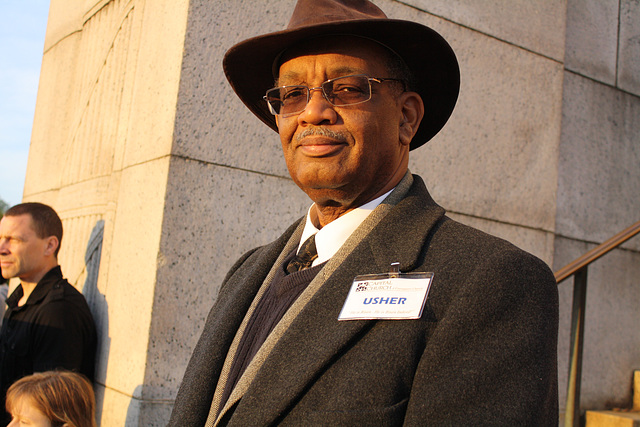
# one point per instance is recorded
(305, 256)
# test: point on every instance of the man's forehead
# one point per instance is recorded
(17, 223)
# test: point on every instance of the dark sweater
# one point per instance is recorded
(281, 293)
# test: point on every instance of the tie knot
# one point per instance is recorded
(305, 256)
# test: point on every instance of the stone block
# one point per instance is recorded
(629, 50)
(213, 215)
(115, 408)
(592, 38)
(80, 206)
(496, 157)
(598, 173)
(636, 391)
(612, 419)
(149, 117)
(611, 337)
(536, 242)
(153, 413)
(50, 143)
(95, 85)
(537, 25)
(212, 124)
(130, 254)
(65, 18)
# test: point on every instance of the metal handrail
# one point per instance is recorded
(578, 268)
(597, 252)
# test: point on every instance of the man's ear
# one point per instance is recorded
(412, 109)
(52, 245)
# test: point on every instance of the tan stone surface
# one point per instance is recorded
(537, 242)
(636, 391)
(65, 18)
(150, 121)
(116, 408)
(612, 419)
(599, 158)
(535, 25)
(100, 149)
(592, 38)
(212, 124)
(629, 49)
(213, 215)
(53, 117)
(497, 156)
(132, 272)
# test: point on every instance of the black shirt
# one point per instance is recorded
(54, 329)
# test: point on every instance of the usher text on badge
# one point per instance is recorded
(381, 300)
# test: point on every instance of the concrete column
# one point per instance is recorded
(100, 154)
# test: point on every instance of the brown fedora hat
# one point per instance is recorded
(249, 64)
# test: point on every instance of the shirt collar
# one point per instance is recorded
(41, 290)
(331, 237)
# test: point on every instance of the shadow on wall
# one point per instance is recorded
(97, 304)
(133, 413)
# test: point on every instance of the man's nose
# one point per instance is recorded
(318, 109)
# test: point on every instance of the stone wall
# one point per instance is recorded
(599, 189)
(164, 178)
(100, 154)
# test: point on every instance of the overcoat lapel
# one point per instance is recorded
(315, 337)
(196, 393)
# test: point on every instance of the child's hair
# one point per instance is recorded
(63, 397)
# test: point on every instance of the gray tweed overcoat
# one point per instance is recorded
(483, 352)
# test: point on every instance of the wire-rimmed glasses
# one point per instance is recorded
(287, 101)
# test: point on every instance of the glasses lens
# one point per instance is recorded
(288, 99)
(347, 90)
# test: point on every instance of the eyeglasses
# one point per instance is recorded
(287, 101)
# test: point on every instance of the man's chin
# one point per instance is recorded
(318, 186)
(5, 270)
(330, 196)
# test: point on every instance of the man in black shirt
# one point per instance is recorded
(47, 324)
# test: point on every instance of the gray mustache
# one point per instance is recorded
(321, 131)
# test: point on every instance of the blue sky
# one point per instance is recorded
(23, 24)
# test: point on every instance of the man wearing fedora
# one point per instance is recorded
(375, 308)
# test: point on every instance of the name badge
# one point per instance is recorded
(391, 296)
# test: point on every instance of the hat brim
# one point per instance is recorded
(248, 65)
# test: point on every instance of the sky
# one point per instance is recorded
(23, 24)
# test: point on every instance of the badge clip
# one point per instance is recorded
(395, 269)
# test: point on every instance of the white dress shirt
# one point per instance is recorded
(331, 237)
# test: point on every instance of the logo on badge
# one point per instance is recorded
(362, 286)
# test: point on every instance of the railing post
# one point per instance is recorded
(572, 409)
